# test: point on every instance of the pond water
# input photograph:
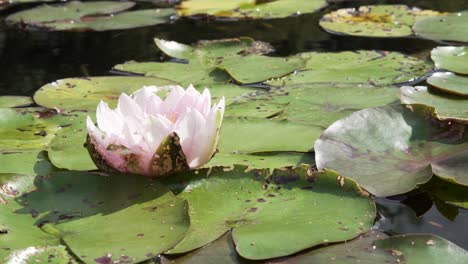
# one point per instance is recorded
(30, 59)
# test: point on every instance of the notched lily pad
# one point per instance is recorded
(250, 207)
(375, 20)
(451, 27)
(249, 8)
(86, 93)
(446, 106)
(451, 58)
(96, 16)
(449, 82)
(360, 67)
(88, 211)
(7, 101)
(26, 132)
(389, 150)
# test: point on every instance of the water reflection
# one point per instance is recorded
(441, 219)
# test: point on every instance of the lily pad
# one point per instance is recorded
(268, 160)
(254, 68)
(26, 132)
(86, 93)
(389, 150)
(89, 211)
(452, 27)
(250, 208)
(359, 250)
(374, 20)
(365, 67)
(446, 106)
(36, 255)
(449, 82)
(97, 16)
(209, 61)
(180, 73)
(451, 58)
(423, 249)
(18, 231)
(251, 135)
(250, 8)
(8, 101)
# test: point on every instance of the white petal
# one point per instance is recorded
(189, 128)
(108, 120)
(147, 99)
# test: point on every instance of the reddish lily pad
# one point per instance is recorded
(389, 150)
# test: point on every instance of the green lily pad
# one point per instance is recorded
(451, 58)
(18, 231)
(250, 208)
(254, 68)
(358, 250)
(35, 162)
(86, 93)
(452, 27)
(183, 74)
(365, 67)
(97, 16)
(89, 211)
(250, 8)
(213, 49)
(323, 104)
(8, 101)
(446, 106)
(449, 82)
(67, 150)
(423, 249)
(26, 132)
(374, 20)
(209, 60)
(251, 135)
(389, 150)
(269, 160)
(36, 255)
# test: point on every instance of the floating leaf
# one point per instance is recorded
(451, 58)
(449, 82)
(18, 231)
(86, 93)
(32, 255)
(452, 27)
(250, 135)
(183, 74)
(374, 20)
(250, 207)
(359, 250)
(25, 132)
(250, 8)
(253, 68)
(389, 150)
(97, 16)
(366, 67)
(423, 249)
(268, 160)
(446, 106)
(90, 210)
(7, 101)
(323, 104)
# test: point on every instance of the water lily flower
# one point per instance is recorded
(147, 135)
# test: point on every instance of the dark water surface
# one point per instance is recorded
(29, 60)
